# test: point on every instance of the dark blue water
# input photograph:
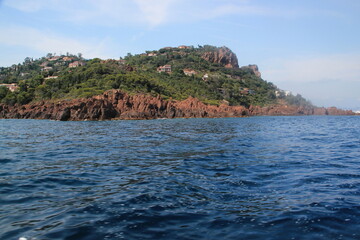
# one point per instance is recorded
(242, 178)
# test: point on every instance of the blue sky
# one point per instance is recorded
(311, 47)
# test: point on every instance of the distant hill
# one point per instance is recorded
(210, 74)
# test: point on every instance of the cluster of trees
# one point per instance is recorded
(297, 100)
(97, 76)
(31, 68)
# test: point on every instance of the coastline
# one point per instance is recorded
(117, 105)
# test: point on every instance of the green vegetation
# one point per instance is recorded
(52, 77)
(297, 100)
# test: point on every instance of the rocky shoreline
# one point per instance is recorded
(115, 104)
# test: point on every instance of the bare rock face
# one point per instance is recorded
(286, 110)
(223, 56)
(115, 104)
(255, 69)
(336, 111)
(320, 111)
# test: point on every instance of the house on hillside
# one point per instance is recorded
(205, 78)
(51, 77)
(67, 59)
(12, 86)
(76, 64)
(54, 58)
(183, 47)
(189, 72)
(165, 68)
(46, 69)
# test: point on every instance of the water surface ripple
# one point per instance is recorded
(241, 178)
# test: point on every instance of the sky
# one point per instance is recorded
(309, 47)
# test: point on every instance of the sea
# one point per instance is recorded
(268, 177)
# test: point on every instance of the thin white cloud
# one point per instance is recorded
(104, 12)
(24, 5)
(236, 9)
(156, 12)
(150, 13)
(47, 41)
(189, 10)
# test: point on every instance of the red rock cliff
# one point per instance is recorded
(223, 56)
(115, 104)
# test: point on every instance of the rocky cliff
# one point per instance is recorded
(115, 104)
(254, 68)
(289, 110)
(223, 56)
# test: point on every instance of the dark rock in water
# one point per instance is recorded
(65, 115)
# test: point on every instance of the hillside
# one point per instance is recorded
(210, 74)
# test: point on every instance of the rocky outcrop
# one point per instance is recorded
(223, 56)
(286, 110)
(254, 68)
(115, 104)
(336, 111)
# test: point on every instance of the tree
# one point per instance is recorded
(3, 91)
(24, 97)
(27, 60)
(9, 99)
(42, 92)
(23, 86)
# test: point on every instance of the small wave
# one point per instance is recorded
(6, 160)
